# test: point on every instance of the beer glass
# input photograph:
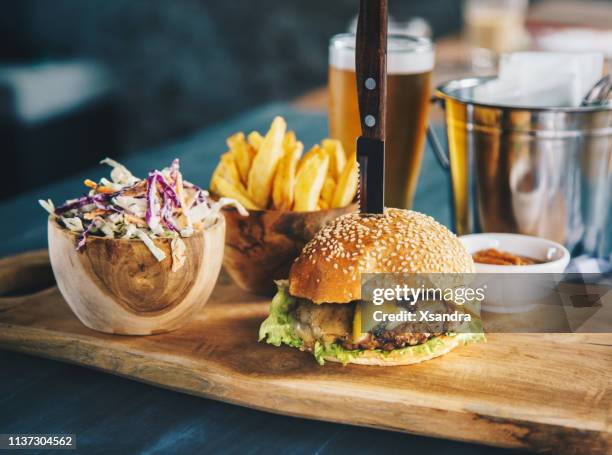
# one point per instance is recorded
(494, 27)
(410, 61)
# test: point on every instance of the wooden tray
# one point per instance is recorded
(548, 393)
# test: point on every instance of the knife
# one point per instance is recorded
(371, 71)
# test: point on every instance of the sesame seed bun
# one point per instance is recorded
(329, 267)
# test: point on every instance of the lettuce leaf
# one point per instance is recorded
(277, 329)
(468, 338)
(322, 351)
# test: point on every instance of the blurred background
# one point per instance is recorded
(80, 80)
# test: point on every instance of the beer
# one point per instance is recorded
(497, 32)
(494, 27)
(409, 64)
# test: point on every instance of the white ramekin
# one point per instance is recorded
(504, 297)
(555, 256)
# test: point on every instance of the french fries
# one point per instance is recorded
(329, 188)
(270, 172)
(261, 175)
(227, 170)
(313, 151)
(255, 139)
(284, 180)
(243, 155)
(230, 169)
(290, 141)
(309, 181)
(347, 184)
(222, 186)
(337, 157)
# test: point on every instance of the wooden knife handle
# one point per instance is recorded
(371, 67)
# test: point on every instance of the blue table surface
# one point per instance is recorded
(111, 414)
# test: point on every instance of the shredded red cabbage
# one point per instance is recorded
(150, 198)
(167, 190)
(167, 215)
(83, 239)
(80, 202)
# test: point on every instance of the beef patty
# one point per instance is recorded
(333, 323)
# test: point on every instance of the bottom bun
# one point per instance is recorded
(397, 358)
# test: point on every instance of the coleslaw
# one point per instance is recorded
(126, 207)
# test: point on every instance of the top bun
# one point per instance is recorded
(329, 267)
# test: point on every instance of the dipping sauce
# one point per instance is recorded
(495, 257)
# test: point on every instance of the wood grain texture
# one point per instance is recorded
(548, 392)
(371, 63)
(260, 248)
(118, 286)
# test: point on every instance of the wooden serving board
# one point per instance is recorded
(548, 393)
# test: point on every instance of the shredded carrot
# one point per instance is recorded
(105, 190)
(90, 184)
(179, 189)
(137, 221)
(99, 188)
(94, 213)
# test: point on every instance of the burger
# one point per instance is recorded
(316, 309)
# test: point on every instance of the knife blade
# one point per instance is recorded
(371, 72)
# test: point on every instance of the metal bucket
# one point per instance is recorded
(545, 172)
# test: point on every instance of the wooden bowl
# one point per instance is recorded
(117, 286)
(261, 247)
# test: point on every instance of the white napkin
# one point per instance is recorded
(576, 40)
(542, 79)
